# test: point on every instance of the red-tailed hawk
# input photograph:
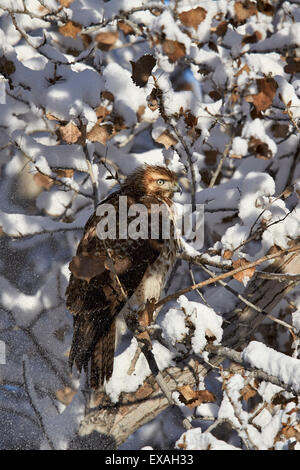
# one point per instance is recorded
(142, 265)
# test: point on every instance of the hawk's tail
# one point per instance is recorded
(103, 358)
(88, 345)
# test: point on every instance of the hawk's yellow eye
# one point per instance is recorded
(160, 182)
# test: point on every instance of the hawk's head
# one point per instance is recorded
(154, 180)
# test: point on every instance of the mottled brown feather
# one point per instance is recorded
(95, 303)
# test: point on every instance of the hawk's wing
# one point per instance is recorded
(94, 296)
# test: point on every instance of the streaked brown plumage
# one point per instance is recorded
(94, 296)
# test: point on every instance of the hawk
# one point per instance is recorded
(103, 270)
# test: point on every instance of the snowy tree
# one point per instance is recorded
(88, 92)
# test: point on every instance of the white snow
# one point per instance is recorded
(286, 368)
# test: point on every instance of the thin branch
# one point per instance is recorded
(212, 280)
(236, 356)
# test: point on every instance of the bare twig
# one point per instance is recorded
(212, 280)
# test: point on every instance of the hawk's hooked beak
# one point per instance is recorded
(177, 188)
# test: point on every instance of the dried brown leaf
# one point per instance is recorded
(248, 392)
(190, 119)
(260, 148)
(106, 39)
(192, 18)
(266, 91)
(173, 49)
(101, 113)
(70, 29)
(227, 254)
(192, 398)
(7, 67)
(221, 29)
(293, 65)
(166, 139)
(265, 7)
(100, 133)
(43, 181)
(64, 172)
(242, 275)
(141, 69)
(69, 133)
(125, 27)
(244, 10)
(251, 38)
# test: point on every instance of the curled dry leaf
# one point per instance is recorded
(265, 7)
(66, 3)
(69, 133)
(70, 29)
(193, 18)
(173, 49)
(100, 133)
(221, 29)
(7, 67)
(248, 392)
(141, 69)
(64, 172)
(153, 99)
(252, 38)
(246, 273)
(43, 181)
(101, 113)
(125, 27)
(227, 254)
(266, 91)
(192, 398)
(293, 65)
(244, 10)
(259, 148)
(166, 139)
(106, 39)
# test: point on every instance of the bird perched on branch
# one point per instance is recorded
(119, 273)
